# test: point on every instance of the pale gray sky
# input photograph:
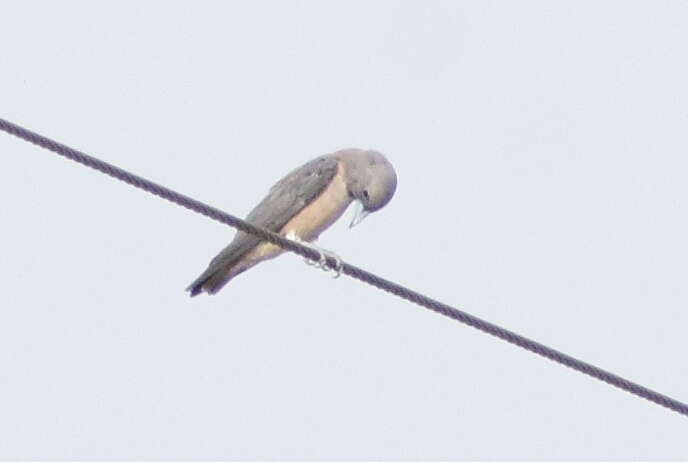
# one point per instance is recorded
(541, 153)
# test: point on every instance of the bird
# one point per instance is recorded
(301, 206)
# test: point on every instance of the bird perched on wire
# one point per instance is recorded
(302, 205)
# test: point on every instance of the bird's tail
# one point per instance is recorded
(213, 279)
(225, 266)
(197, 286)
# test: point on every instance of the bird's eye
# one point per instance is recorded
(366, 195)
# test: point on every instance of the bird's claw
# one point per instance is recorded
(337, 268)
(310, 262)
(321, 262)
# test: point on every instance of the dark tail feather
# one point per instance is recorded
(196, 287)
(221, 269)
(208, 281)
(212, 280)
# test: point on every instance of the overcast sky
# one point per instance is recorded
(541, 151)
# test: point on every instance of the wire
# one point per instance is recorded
(348, 269)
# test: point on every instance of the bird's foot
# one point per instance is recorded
(322, 261)
(324, 265)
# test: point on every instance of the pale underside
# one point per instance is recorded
(311, 221)
(304, 203)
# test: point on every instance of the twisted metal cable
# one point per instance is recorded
(348, 269)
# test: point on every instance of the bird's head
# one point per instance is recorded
(370, 179)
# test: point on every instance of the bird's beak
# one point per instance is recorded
(360, 214)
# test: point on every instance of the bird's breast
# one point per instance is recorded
(312, 220)
(322, 212)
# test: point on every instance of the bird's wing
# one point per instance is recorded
(286, 198)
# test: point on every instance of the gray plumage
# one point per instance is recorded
(370, 178)
(294, 193)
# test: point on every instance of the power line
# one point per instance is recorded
(346, 268)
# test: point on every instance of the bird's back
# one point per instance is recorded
(286, 198)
